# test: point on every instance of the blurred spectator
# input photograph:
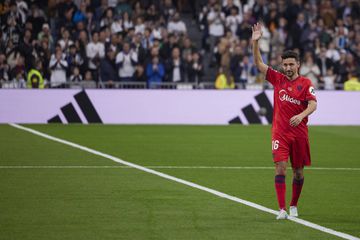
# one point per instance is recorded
(35, 78)
(329, 80)
(196, 69)
(176, 26)
(4, 68)
(88, 81)
(75, 76)
(175, 67)
(155, 72)
(65, 40)
(126, 61)
(224, 79)
(108, 73)
(310, 70)
(58, 66)
(216, 21)
(95, 51)
(352, 84)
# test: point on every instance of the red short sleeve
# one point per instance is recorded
(273, 76)
(310, 93)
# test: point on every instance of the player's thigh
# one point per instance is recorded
(300, 153)
(280, 148)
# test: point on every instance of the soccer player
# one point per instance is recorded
(294, 101)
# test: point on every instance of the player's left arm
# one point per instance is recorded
(296, 120)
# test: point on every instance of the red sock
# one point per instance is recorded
(280, 187)
(296, 190)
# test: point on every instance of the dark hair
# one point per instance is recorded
(290, 54)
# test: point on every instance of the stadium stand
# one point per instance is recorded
(185, 44)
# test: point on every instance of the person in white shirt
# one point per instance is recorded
(216, 21)
(126, 61)
(58, 66)
(332, 53)
(233, 20)
(176, 26)
(117, 25)
(95, 51)
(310, 70)
(65, 41)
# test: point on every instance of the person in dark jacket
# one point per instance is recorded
(108, 72)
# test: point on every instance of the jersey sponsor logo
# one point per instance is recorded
(283, 96)
(312, 90)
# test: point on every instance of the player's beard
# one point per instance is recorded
(289, 73)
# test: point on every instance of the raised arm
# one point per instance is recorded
(256, 35)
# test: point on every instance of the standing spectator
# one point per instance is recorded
(4, 68)
(126, 61)
(329, 80)
(233, 20)
(45, 33)
(58, 66)
(95, 51)
(175, 67)
(65, 41)
(310, 70)
(176, 26)
(332, 53)
(108, 18)
(196, 70)
(323, 62)
(73, 58)
(216, 20)
(108, 73)
(155, 72)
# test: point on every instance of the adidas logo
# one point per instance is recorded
(72, 116)
(251, 115)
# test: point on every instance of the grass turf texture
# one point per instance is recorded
(123, 203)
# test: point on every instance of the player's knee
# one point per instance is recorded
(280, 168)
(298, 174)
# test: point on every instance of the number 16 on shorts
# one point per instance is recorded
(275, 144)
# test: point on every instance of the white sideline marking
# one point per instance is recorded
(194, 185)
(181, 167)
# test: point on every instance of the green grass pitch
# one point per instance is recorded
(125, 203)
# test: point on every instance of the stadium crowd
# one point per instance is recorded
(100, 43)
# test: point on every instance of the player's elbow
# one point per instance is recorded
(313, 105)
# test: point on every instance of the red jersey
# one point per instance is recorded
(290, 99)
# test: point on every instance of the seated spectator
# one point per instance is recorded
(88, 81)
(75, 77)
(224, 80)
(139, 75)
(35, 78)
(155, 72)
(352, 84)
